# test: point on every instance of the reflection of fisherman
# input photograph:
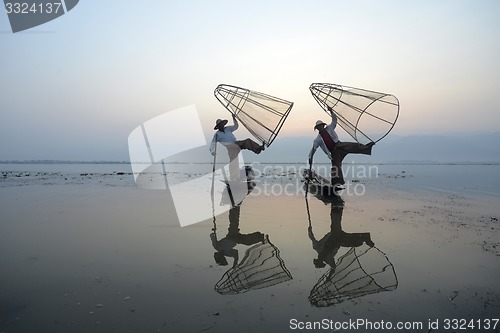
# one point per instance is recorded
(336, 150)
(225, 136)
(225, 246)
(328, 246)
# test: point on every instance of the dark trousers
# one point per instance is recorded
(341, 150)
(234, 149)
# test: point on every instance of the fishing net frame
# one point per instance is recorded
(331, 289)
(241, 102)
(337, 97)
(242, 277)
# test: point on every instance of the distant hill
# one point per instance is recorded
(467, 148)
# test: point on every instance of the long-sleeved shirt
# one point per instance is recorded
(318, 142)
(225, 137)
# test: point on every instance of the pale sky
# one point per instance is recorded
(76, 87)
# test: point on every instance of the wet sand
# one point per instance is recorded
(95, 253)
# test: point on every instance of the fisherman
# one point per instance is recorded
(336, 150)
(328, 246)
(225, 136)
(225, 247)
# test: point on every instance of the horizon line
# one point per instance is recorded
(395, 162)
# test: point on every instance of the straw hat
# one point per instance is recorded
(220, 121)
(319, 122)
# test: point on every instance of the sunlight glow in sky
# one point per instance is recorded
(76, 87)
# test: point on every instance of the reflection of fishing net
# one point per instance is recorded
(365, 115)
(261, 114)
(361, 271)
(261, 267)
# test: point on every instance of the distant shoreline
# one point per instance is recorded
(209, 162)
(61, 162)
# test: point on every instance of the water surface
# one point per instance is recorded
(84, 249)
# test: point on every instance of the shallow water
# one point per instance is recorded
(96, 253)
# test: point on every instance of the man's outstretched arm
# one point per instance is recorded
(235, 125)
